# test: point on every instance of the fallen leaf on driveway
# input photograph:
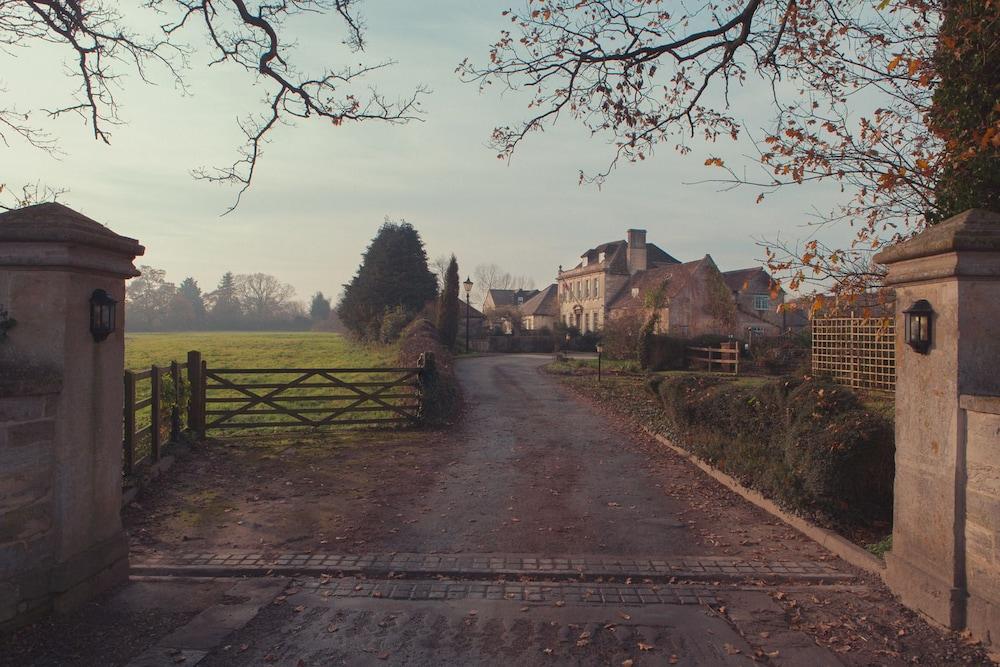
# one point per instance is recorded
(730, 649)
(625, 616)
(645, 647)
(628, 663)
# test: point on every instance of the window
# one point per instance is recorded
(520, 300)
(586, 322)
(635, 292)
(761, 302)
(597, 287)
(600, 257)
(586, 288)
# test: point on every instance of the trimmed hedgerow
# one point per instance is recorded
(441, 398)
(809, 444)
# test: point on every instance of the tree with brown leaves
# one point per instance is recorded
(104, 42)
(873, 97)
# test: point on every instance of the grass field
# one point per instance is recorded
(225, 349)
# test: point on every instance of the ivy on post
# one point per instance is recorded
(427, 381)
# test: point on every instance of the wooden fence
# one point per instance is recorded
(726, 356)
(242, 398)
(143, 432)
(856, 352)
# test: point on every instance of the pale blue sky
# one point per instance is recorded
(321, 192)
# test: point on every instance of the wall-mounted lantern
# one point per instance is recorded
(918, 325)
(102, 315)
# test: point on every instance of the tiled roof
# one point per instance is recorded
(545, 302)
(738, 279)
(508, 297)
(676, 277)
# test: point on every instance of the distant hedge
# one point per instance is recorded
(441, 398)
(809, 444)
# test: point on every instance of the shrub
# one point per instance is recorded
(667, 353)
(621, 337)
(808, 444)
(644, 345)
(394, 320)
(441, 396)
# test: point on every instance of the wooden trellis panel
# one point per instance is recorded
(856, 352)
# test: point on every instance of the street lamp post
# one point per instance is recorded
(468, 307)
(600, 352)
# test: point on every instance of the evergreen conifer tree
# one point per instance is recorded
(447, 314)
(393, 273)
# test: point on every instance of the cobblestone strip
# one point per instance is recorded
(555, 593)
(485, 566)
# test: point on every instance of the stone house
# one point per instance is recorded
(542, 310)
(618, 279)
(758, 300)
(691, 298)
(502, 307)
(587, 290)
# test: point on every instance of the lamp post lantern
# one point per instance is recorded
(918, 326)
(102, 315)
(468, 307)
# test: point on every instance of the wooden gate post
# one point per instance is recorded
(154, 413)
(175, 409)
(196, 404)
(427, 381)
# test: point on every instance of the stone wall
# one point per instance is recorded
(28, 401)
(982, 514)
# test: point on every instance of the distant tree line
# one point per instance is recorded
(250, 301)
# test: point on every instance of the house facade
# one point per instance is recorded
(502, 308)
(690, 299)
(542, 310)
(627, 278)
(587, 290)
(759, 303)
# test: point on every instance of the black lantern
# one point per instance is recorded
(102, 315)
(468, 285)
(918, 326)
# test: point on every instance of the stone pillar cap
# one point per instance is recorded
(975, 230)
(84, 243)
(54, 222)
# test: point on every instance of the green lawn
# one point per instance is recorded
(225, 349)
(267, 350)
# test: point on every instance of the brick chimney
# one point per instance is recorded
(636, 250)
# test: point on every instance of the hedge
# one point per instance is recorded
(441, 397)
(809, 444)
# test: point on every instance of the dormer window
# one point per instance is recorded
(520, 300)
(600, 257)
(586, 259)
(635, 292)
(761, 302)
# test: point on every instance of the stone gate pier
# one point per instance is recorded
(61, 537)
(945, 558)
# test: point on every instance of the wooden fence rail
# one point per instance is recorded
(134, 438)
(237, 398)
(727, 356)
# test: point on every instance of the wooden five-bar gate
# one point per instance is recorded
(274, 397)
(208, 398)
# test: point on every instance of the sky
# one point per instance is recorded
(321, 192)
